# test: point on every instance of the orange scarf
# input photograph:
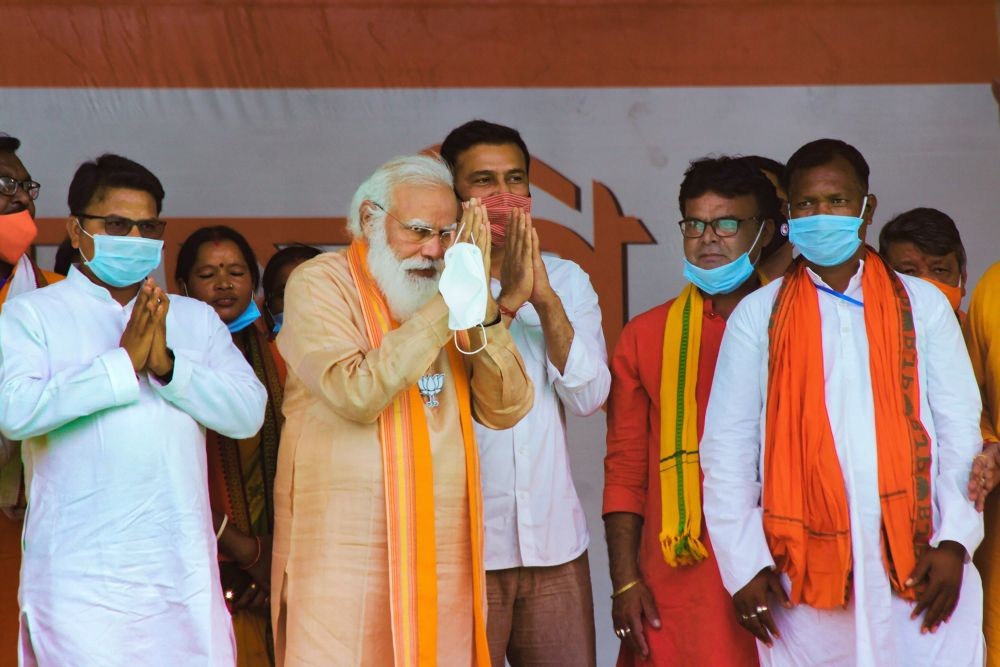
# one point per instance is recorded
(806, 517)
(409, 495)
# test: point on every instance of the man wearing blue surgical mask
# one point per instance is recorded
(110, 385)
(670, 606)
(840, 433)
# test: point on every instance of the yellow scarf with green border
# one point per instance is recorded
(680, 471)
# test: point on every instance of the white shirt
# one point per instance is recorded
(531, 512)
(875, 629)
(119, 555)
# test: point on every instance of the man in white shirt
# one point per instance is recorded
(841, 428)
(537, 573)
(110, 385)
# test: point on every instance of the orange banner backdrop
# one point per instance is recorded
(531, 43)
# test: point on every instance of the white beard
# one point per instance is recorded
(405, 293)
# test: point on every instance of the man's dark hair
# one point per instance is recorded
(188, 254)
(9, 144)
(731, 177)
(931, 230)
(766, 164)
(477, 132)
(111, 171)
(779, 238)
(66, 256)
(823, 151)
(281, 259)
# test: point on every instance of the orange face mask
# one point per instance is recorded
(17, 231)
(953, 293)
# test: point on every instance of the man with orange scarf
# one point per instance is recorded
(18, 274)
(669, 603)
(377, 556)
(839, 437)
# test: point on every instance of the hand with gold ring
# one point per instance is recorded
(633, 611)
(985, 474)
(752, 609)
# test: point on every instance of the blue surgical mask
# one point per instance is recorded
(248, 317)
(121, 261)
(726, 278)
(827, 240)
(279, 319)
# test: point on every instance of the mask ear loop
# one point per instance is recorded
(469, 354)
(459, 231)
(757, 238)
(82, 256)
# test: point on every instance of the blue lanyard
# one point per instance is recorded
(839, 295)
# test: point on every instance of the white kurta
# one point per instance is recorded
(875, 629)
(119, 563)
(531, 512)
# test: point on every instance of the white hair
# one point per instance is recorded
(404, 292)
(416, 169)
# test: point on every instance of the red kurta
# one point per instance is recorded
(699, 623)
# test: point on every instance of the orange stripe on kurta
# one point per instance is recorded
(409, 497)
(449, 43)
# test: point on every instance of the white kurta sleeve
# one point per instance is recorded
(730, 452)
(955, 403)
(223, 393)
(585, 381)
(34, 399)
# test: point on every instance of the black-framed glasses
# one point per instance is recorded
(693, 228)
(9, 186)
(116, 225)
(420, 234)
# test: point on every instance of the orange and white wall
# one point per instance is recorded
(267, 114)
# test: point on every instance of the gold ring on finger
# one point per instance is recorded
(761, 608)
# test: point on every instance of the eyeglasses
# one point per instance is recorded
(693, 228)
(422, 234)
(9, 186)
(116, 225)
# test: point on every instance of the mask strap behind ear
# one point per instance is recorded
(459, 347)
(864, 205)
(80, 249)
(760, 231)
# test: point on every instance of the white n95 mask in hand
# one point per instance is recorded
(463, 286)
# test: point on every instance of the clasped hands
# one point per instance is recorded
(145, 335)
(523, 277)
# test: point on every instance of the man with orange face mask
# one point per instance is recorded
(925, 243)
(18, 274)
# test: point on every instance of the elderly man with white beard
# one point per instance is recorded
(378, 509)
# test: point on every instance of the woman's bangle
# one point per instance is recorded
(627, 587)
(247, 567)
(222, 527)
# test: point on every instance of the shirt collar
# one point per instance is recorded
(80, 281)
(853, 285)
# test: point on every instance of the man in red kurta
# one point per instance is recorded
(669, 603)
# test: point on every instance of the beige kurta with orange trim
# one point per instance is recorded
(330, 575)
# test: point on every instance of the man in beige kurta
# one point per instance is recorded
(330, 573)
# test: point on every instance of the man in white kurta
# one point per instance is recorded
(119, 563)
(119, 555)
(875, 628)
